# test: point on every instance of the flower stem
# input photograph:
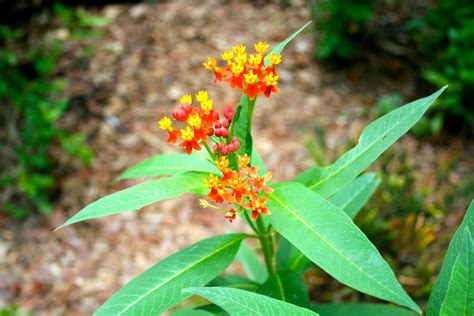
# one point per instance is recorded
(208, 150)
(268, 246)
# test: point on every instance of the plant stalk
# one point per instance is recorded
(268, 246)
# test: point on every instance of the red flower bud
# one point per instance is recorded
(215, 115)
(225, 133)
(217, 124)
(225, 123)
(218, 132)
(186, 108)
(180, 115)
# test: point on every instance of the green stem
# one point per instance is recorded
(268, 246)
(208, 150)
(250, 222)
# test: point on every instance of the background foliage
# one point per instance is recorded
(437, 41)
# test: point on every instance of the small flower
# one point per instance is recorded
(274, 59)
(257, 205)
(206, 106)
(239, 49)
(243, 161)
(261, 47)
(255, 60)
(211, 63)
(195, 121)
(212, 182)
(202, 96)
(259, 183)
(231, 215)
(227, 55)
(250, 78)
(222, 164)
(165, 123)
(186, 99)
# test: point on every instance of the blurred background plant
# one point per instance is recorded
(436, 38)
(33, 99)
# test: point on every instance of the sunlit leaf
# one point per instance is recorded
(167, 165)
(242, 303)
(373, 141)
(361, 309)
(453, 292)
(141, 195)
(329, 238)
(160, 287)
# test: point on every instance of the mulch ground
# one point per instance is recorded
(149, 56)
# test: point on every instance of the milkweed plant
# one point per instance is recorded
(298, 223)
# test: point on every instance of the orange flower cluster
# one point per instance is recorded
(248, 72)
(241, 187)
(200, 123)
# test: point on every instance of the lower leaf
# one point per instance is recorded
(159, 288)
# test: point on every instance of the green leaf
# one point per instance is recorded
(354, 196)
(191, 312)
(453, 292)
(241, 125)
(141, 195)
(279, 48)
(236, 281)
(373, 141)
(286, 286)
(289, 257)
(251, 264)
(329, 238)
(169, 164)
(350, 199)
(160, 287)
(361, 309)
(256, 160)
(239, 302)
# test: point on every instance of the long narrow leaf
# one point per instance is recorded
(167, 165)
(329, 238)
(373, 141)
(350, 199)
(141, 195)
(361, 309)
(353, 197)
(242, 303)
(160, 287)
(453, 292)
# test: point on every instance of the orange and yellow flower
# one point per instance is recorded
(250, 73)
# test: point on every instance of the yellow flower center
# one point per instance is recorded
(165, 123)
(187, 134)
(195, 121)
(211, 63)
(201, 96)
(274, 59)
(186, 99)
(237, 69)
(227, 55)
(222, 163)
(207, 106)
(255, 60)
(250, 78)
(261, 47)
(271, 79)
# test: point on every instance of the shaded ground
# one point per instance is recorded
(149, 57)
